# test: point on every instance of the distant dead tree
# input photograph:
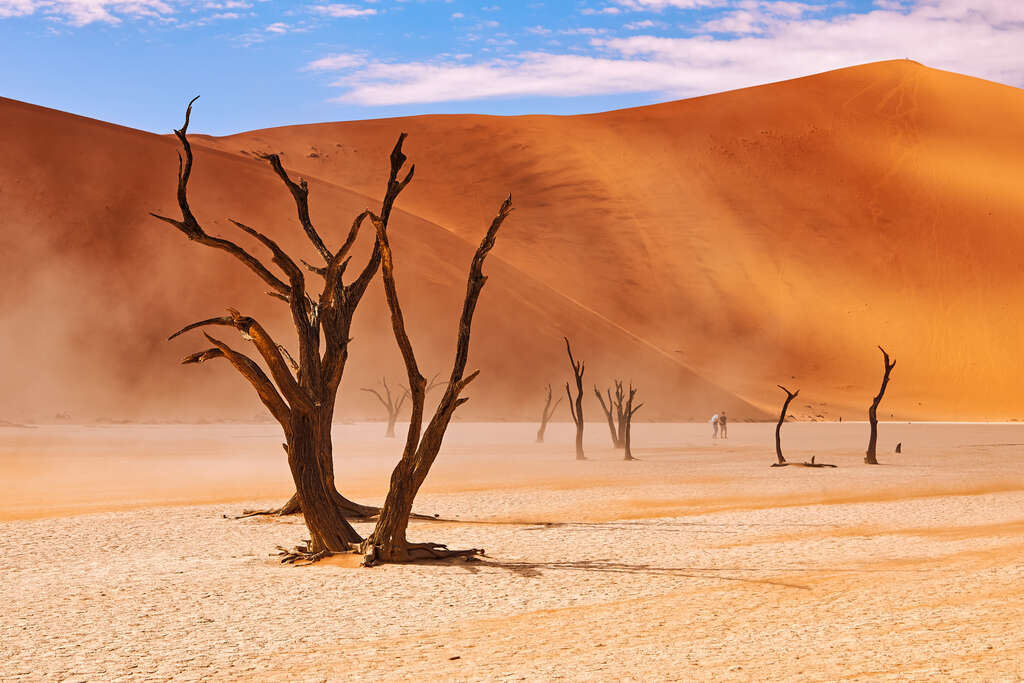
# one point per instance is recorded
(545, 416)
(388, 541)
(888, 365)
(390, 403)
(629, 410)
(614, 412)
(301, 394)
(576, 405)
(790, 395)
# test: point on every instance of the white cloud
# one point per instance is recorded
(978, 37)
(82, 12)
(336, 62)
(658, 5)
(338, 10)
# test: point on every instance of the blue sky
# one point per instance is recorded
(261, 63)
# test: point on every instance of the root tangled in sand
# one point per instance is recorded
(303, 555)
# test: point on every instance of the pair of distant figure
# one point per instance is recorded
(719, 426)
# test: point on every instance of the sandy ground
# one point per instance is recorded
(697, 563)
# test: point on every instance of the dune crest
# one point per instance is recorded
(707, 249)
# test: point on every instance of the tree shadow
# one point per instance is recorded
(536, 569)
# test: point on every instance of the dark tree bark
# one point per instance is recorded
(545, 416)
(614, 412)
(888, 365)
(628, 411)
(576, 405)
(391, 405)
(388, 541)
(782, 418)
(300, 394)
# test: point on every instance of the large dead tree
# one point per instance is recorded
(388, 541)
(300, 394)
(576, 405)
(626, 417)
(545, 416)
(888, 365)
(391, 404)
(614, 412)
(790, 395)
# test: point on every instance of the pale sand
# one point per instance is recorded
(699, 562)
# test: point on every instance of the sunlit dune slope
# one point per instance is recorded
(93, 285)
(769, 235)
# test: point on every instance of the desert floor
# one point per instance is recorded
(700, 562)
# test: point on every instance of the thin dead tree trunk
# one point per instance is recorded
(576, 405)
(628, 411)
(614, 412)
(300, 394)
(620, 415)
(782, 418)
(391, 405)
(888, 365)
(545, 416)
(388, 541)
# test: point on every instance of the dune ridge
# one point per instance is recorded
(707, 248)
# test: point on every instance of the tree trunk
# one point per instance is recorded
(328, 528)
(545, 416)
(392, 419)
(782, 418)
(610, 416)
(870, 457)
(577, 411)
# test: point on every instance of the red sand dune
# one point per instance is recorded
(708, 248)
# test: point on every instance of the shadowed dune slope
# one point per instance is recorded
(769, 235)
(93, 285)
(708, 248)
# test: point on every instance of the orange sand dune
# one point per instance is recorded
(707, 248)
(775, 234)
(95, 285)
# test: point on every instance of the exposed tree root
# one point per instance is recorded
(303, 555)
(351, 510)
(803, 464)
(418, 551)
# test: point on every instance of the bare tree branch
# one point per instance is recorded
(300, 193)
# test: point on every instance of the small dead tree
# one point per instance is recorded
(390, 403)
(888, 365)
(790, 395)
(614, 412)
(628, 411)
(576, 405)
(300, 394)
(388, 541)
(545, 416)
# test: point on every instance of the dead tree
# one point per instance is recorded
(888, 365)
(545, 416)
(628, 411)
(300, 394)
(577, 411)
(391, 405)
(614, 412)
(778, 428)
(388, 541)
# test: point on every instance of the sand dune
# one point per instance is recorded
(707, 248)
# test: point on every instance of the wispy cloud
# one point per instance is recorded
(82, 12)
(339, 10)
(780, 40)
